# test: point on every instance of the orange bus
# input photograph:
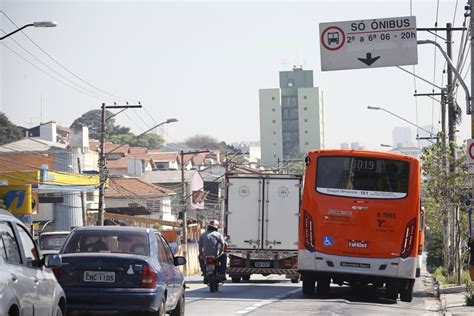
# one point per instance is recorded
(359, 221)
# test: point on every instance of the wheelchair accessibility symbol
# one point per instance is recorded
(327, 241)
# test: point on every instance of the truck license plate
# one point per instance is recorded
(99, 276)
(210, 267)
(262, 264)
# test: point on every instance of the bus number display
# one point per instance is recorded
(367, 165)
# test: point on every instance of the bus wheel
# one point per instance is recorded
(308, 285)
(406, 294)
(246, 277)
(391, 290)
(323, 285)
(235, 279)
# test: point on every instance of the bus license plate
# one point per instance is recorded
(355, 265)
(99, 276)
(262, 264)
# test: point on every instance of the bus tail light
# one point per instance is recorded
(420, 249)
(408, 239)
(308, 231)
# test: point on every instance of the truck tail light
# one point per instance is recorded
(287, 263)
(308, 229)
(148, 280)
(236, 262)
(210, 260)
(408, 239)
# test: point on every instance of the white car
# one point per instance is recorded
(27, 285)
(51, 242)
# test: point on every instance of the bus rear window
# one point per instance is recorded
(362, 177)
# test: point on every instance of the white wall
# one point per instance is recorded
(310, 119)
(270, 126)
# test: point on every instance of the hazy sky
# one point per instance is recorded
(203, 63)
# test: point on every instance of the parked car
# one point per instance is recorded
(51, 242)
(27, 285)
(116, 268)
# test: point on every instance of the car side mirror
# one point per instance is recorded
(179, 261)
(52, 261)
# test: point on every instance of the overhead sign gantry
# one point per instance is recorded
(368, 43)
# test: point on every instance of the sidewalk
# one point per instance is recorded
(453, 300)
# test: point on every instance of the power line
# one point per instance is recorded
(61, 65)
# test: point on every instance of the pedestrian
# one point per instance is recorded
(471, 257)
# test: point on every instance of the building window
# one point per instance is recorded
(305, 97)
(306, 143)
(274, 144)
(273, 121)
(273, 110)
(306, 132)
(274, 133)
(306, 120)
(291, 82)
(305, 108)
(273, 98)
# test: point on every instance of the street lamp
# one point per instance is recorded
(34, 24)
(403, 119)
(102, 161)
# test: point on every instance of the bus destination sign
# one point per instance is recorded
(368, 43)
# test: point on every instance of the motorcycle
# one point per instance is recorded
(212, 273)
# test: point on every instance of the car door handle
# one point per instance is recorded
(14, 278)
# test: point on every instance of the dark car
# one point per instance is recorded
(27, 286)
(115, 268)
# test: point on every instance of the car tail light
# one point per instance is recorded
(210, 260)
(408, 239)
(286, 263)
(308, 231)
(148, 277)
(234, 262)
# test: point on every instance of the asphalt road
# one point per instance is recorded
(275, 295)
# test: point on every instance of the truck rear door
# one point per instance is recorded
(281, 206)
(244, 204)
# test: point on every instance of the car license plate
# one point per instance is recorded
(99, 276)
(210, 267)
(262, 264)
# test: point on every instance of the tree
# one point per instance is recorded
(446, 213)
(93, 120)
(150, 140)
(9, 132)
(203, 141)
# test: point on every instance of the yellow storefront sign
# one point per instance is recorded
(17, 199)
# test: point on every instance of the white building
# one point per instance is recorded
(291, 117)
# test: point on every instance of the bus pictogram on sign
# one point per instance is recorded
(333, 38)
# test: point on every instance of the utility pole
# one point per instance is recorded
(102, 164)
(83, 197)
(471, 27)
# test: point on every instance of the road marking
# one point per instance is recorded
(267, 301)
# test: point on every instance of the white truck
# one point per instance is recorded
(261, 224)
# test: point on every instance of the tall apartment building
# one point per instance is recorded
(291, 117)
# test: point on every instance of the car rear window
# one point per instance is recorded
(362, 177)
(52, 242)
(128, 242)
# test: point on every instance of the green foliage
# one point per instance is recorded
(440, 275)
(150, 140)
(9, 132)
(204, 142)
(445, 186)
(93, 119)
(469, 293)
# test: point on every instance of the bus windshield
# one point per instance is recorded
(362, 177)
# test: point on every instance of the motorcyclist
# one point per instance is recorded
(211, 243)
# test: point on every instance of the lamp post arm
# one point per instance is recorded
(458, 75)
(17, 30)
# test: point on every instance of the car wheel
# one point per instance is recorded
(59, 312)
(179, 309)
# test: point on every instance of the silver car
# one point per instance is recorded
(27, 286)
(51, 242)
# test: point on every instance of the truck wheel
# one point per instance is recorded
(406, 294)
(235, 279)
(308, 285)
(322, 285)
(246, 277)
(295, 280)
